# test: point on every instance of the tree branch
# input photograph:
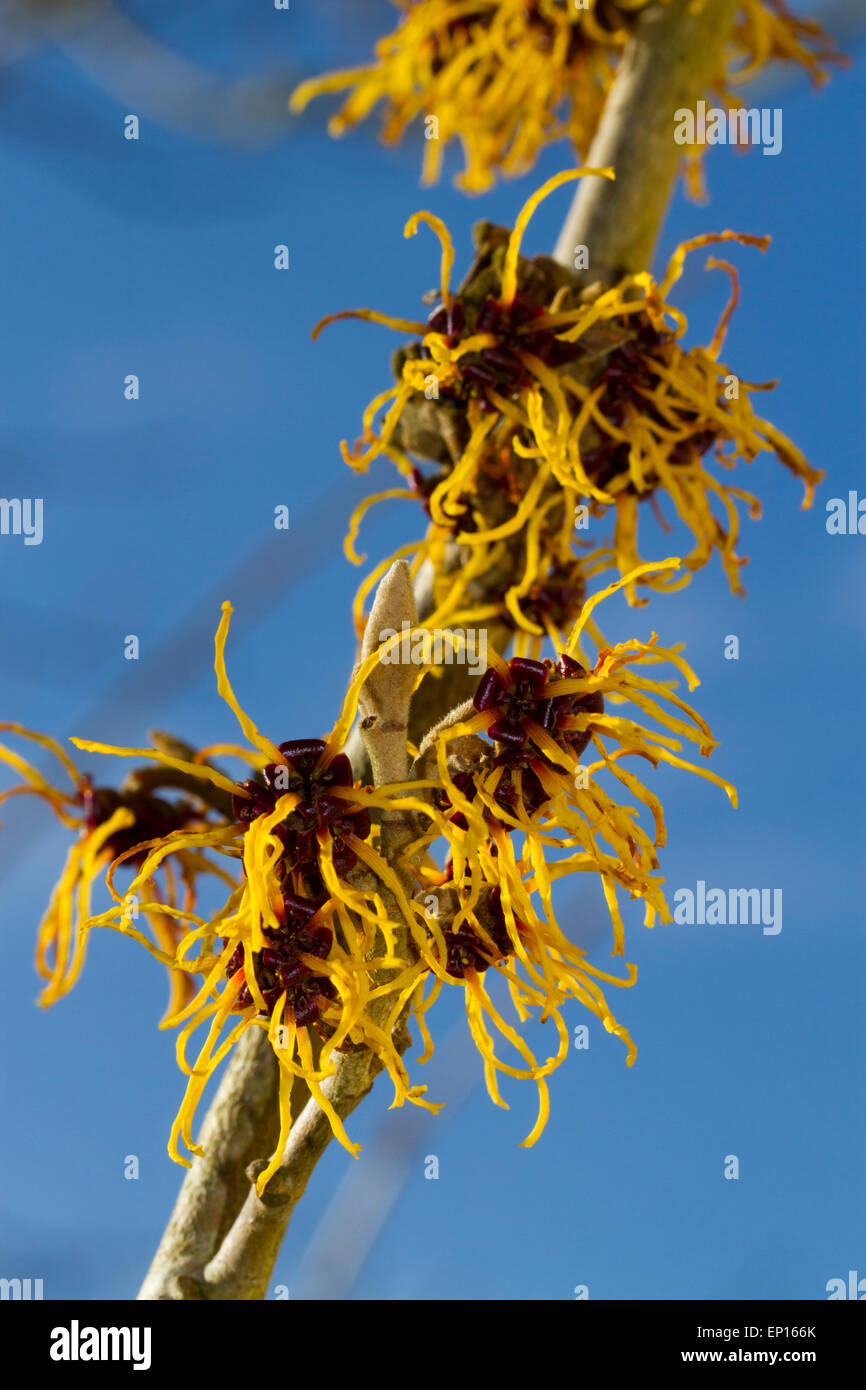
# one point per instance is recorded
(241, 1125)
(665, 66)
(242, 1268)
(674, 52)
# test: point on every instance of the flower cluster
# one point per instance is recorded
(537, 402)
(507, 78)
(321, 941)
(316, 942)
(502, 77)
(517, 811)
(113, 826)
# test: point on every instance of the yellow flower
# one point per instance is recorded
(506, 78)
(502, 77)
(317, 945)
(520, 811)
(324, 944)
(766, 31)
(549, 399)
(113, 827)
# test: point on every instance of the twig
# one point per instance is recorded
(242, 1268)
(241, 1125)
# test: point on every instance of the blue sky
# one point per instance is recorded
(156, 258)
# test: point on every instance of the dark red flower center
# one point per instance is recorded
(467, 950)
(629, 373)
(498, 368)
(279, 968)
(303, 773)
(155, 817)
